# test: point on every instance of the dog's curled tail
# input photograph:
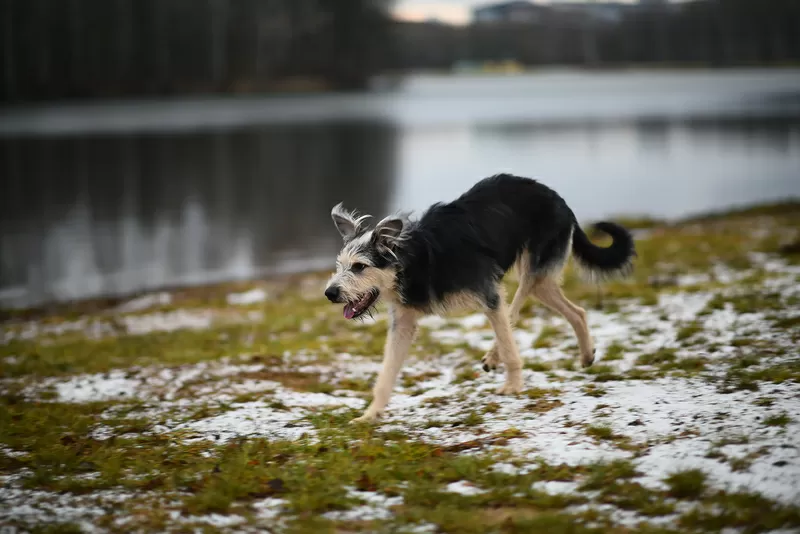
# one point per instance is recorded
(602, 263)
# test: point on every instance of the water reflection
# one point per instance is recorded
(113, 214)
(660, 167)
(124, 196)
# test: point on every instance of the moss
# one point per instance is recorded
(633, 496)
(603, 474)
(491, 407)
(615, 351)
(473, 419)
(409, 381)
(764, 401)
(466, 375)
(547, 337)
(741, 464)
(543, 405)
(599, 369)
(608, 377)
(689, 484)
(541, 393)
(747, 511)
(606, 433)
(661, 356)
(593, 390)
(788, 323)
(437, 401)
(538, 366)
(57, 528)
(781, 419)
(745, 374)
(687, 366)
(600, 432)
(689, 330)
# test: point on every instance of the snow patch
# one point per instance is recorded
(463, 487)
(254, 296)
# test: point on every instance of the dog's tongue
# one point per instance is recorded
(349, 311)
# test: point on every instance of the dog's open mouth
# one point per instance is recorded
(357, 308)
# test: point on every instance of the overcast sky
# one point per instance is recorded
(454, 11)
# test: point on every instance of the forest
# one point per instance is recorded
(55, 49)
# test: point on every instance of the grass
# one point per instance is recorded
(688, 331)
(614, 352)
(150, 450)
(661, 356)
(602, 474)
(781, 420)
(547, 337)
(689, 484)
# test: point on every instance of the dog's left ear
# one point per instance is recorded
(387, 232)
(346, 222)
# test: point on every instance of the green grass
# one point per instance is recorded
(615, 351)
(603, 474)
(54, 443)
(781, 419)
(689, 484)
(662, 356)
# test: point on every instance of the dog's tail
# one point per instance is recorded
(602, 263)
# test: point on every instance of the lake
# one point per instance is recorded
(118, 197)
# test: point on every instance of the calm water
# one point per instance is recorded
(120, 197)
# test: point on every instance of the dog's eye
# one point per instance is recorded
(358, 267)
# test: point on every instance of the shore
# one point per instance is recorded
(225, 408)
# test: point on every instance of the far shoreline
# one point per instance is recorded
(281, 281)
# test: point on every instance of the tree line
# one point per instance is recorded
(703, 32)
(56, 49)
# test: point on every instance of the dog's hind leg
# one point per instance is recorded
(505, 344)
(547, 290)
(402, 329)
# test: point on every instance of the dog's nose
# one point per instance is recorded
(332, 293)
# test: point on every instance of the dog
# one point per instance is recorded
(454, 258)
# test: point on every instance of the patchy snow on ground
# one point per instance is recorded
(134, 324)
(144, 302)
(662, 424)
(377, 506)
(246, 298)
(464, 488)
(37, 507)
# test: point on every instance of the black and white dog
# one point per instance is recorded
(454, 258)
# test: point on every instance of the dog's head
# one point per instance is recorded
(366, 267)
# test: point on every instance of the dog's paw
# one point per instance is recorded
(490, 360)
(510, 388)
(587, 361)
(368, 418)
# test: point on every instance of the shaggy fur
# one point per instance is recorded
(454, 258)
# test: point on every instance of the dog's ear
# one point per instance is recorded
(348, 224)
(388, 233)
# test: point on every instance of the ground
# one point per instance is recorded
(226, 408)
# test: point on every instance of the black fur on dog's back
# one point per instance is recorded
(470, 243)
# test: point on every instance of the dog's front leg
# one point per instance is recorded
(506, 346)
(403, 327)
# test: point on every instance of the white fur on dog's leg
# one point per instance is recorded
(398, 342)
(509, 389)
(369, 417)
(513, 384)
(506, 346)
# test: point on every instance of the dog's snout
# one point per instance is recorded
(333, 293)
